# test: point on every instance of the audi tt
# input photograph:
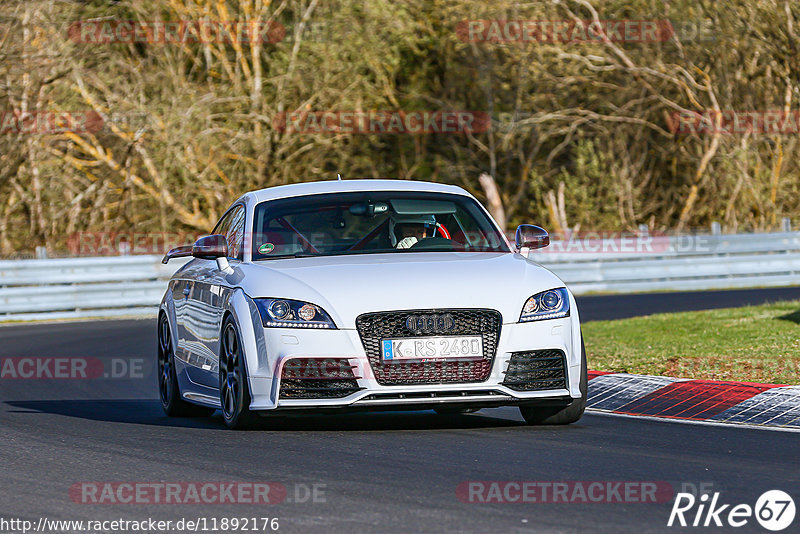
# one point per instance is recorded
(367, 295)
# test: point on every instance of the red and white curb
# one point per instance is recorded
(744, 403)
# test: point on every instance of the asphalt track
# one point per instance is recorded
(378, 472)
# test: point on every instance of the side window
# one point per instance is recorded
(223, 223)
(232, 227)
(234, 233)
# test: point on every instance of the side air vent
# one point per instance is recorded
(536, 370)
(318, 378)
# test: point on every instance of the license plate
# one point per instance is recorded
(431, 348)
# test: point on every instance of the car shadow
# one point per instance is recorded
(793, 317)
(131, 411)
(148, 412)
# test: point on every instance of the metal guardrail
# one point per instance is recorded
(133, 285)
(82, 287)
(678, 263)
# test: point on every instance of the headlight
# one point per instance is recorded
(285, 313)
(551, 304)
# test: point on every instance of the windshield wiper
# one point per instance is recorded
(296, 255)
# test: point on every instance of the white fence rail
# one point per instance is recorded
(82, 287)
(134, 285)
(676, 263)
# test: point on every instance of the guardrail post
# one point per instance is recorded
(786, 224)
(644, 231)
(41, 253)
(716, 228)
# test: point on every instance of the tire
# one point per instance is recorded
(234, 390)
(558, 415)
(168, 389)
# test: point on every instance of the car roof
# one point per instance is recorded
(349, 186)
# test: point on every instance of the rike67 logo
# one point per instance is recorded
(774, 510)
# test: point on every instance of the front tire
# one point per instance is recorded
(169, 392)
(234, 391)
(558, 415)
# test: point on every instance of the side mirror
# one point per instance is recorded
(530, 236)
(213, 247)
(178, 252)
(210, 247)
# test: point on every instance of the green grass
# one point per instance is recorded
(752, 344)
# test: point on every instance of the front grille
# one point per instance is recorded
(316, 378)
(536, 370)
(372, 327)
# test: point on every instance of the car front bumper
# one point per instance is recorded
(277, 346)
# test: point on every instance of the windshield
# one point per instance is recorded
(372, 222)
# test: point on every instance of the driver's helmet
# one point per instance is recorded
(398, 222)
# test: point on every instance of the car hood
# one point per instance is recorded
(347, 286)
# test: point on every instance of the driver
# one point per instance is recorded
(407, 230)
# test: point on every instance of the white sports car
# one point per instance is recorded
(367, 294)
